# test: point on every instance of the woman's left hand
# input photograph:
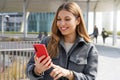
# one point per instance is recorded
(58, 72)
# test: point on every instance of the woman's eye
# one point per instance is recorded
(67, 19)
(58, 19)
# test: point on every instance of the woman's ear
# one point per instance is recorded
(78, 20)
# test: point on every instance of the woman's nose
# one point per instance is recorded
(62, 22)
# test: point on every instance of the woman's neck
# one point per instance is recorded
(70, 38)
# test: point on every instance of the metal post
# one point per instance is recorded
(114, 24)
(87, 14)
(94, 22)
(24, 18)
(2, 25)
(94, 18)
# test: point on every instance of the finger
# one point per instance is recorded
(41, 58)
(48, 64)
(58, 76)
(35, 58)
(54, 66)
(55, 75)
(45, 60)
(54, 72)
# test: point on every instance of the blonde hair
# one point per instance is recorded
(56, 35)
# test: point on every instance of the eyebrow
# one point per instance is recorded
(65, 17)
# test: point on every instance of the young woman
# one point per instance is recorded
(72, 55)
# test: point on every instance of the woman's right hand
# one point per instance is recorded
(42, 64)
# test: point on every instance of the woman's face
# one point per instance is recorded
(66, 23)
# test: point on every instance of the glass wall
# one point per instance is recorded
(11, 21)
(40, 22)
(37, 22)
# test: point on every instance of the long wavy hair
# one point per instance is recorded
(56, 34)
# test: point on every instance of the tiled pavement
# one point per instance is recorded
(109, 60)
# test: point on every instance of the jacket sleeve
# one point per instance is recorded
(30, 66)
(90, 70)
(29, 70)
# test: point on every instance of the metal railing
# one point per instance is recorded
(13, 59)
(17, 44)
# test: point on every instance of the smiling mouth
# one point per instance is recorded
(64, 28)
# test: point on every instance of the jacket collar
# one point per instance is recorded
(78, 40)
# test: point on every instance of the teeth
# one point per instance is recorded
(63, 28)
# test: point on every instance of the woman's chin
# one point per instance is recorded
(64, 34)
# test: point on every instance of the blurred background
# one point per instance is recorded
(25, 22)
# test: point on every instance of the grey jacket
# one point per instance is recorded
(82, 59)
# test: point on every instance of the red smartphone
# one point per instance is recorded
(40, 50)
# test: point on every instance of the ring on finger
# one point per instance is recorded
(56, 75)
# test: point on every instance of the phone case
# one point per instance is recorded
(40, 50)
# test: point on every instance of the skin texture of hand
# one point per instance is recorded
(58, 72)
(42, 64)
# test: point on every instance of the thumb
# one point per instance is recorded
(53, 65)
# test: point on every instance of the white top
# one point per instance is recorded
(68, 46)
